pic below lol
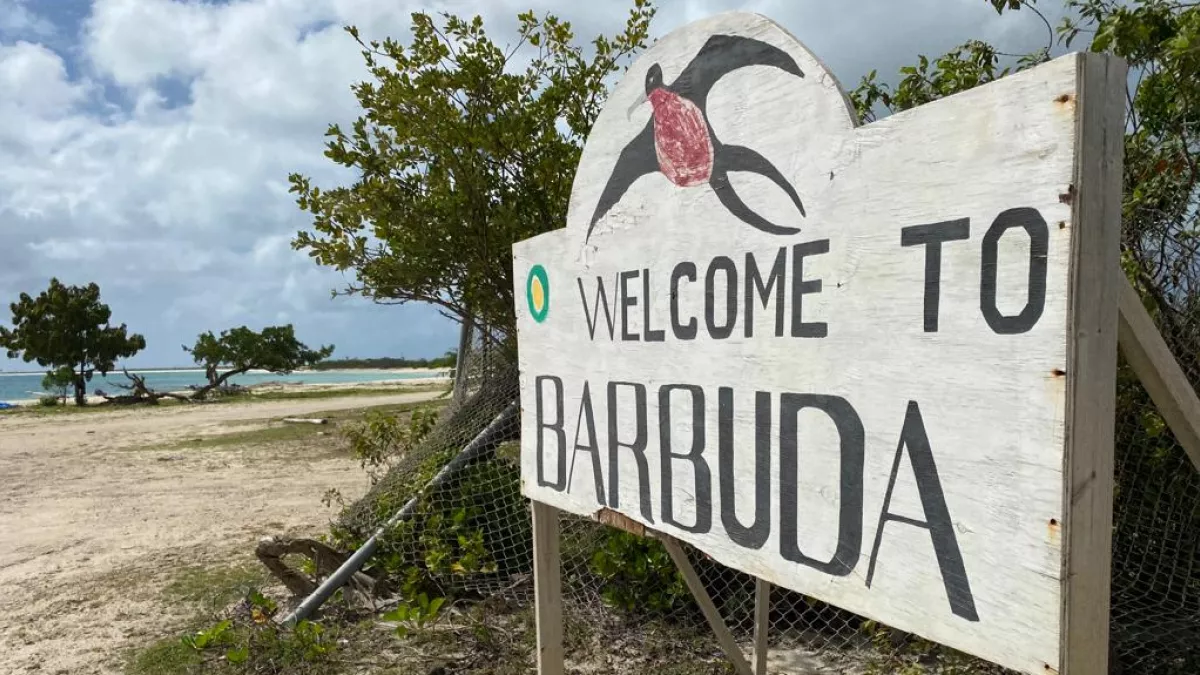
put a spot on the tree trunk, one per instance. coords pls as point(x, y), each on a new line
point(214, 383)
point(80, 390)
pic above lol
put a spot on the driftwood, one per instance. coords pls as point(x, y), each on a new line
point(270, 551)
point(139, 392)
point(304, 420)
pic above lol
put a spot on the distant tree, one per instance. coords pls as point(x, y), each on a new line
point(447, 360)
point(239, 350)
point(67, 327)
point(460, 152)
point(58, 382)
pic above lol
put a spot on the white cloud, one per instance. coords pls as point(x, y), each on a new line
point(149, 152)
point(17, 19)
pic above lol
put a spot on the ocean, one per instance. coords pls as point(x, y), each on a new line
point(24, 386)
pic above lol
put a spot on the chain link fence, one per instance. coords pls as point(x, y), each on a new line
point(626, 608)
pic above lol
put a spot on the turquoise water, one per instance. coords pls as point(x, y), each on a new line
point(20, 386)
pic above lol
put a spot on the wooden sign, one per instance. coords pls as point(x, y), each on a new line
point(873, 365)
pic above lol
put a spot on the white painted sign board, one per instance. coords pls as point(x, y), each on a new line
point(832, 357)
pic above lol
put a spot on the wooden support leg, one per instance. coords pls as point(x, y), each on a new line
point(728, 645)
point(547, 590)
point(762, 615)
point(1152, 361)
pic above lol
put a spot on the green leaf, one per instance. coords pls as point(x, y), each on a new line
point(238, 655)
point(435, 606)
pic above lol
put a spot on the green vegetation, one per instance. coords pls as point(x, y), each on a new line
point(214, 588)
point(382, 437)
point(249, 643)
point(165, 657)
point(449, 360)
point(240, 350)
point(460, 152)
point(58, 382)
point(638, 575)
point(68, 329)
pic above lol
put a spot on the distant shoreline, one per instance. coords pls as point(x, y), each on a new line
point(143, 371)
point(436, 376)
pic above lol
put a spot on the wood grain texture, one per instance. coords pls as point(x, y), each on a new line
point(876, 388)
point(724, 638)
point(547, 589)
point(1092, 364)
point(762, 624)
point(1159, 372)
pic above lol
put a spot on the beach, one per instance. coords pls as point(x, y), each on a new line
point(101, 510)
point(24, 388)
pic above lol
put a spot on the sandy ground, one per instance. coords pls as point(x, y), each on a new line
point(97, 511)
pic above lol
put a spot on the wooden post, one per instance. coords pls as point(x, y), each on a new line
point(762, 616)
point(1091, 366)
point(1159, 372)
point(724, 638)
point(547, 589)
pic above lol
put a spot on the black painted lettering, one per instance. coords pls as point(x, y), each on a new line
point(801, 287)
point(637, 446)
point(593, 315)
point(560, 481)
point(1034, 224)
point(754, 535)
point(850, 516)
point(627, 301)
point(721, 264)
point(587, 416)
point(683, 331)
point(932, 237)
point(774, 284)
point(933, 502)
point(703, 491)
point(648, 333)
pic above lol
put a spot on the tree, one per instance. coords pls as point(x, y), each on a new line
point(68, 327)
point(58, 382)
point(240, 350)
point(460, 153)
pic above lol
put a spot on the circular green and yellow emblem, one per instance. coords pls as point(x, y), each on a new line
point(537, 290)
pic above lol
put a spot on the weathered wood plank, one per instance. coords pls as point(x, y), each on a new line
point(724, 638)
point(1159, 372)
point(1091, 365)
point(835, 358)
point(762, 625)
point(547, 589)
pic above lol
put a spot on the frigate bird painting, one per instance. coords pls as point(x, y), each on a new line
point(679, 142)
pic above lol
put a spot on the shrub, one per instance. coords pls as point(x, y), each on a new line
point(381, 439)
point(637, 573)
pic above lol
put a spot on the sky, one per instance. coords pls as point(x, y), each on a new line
point(146, 144)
